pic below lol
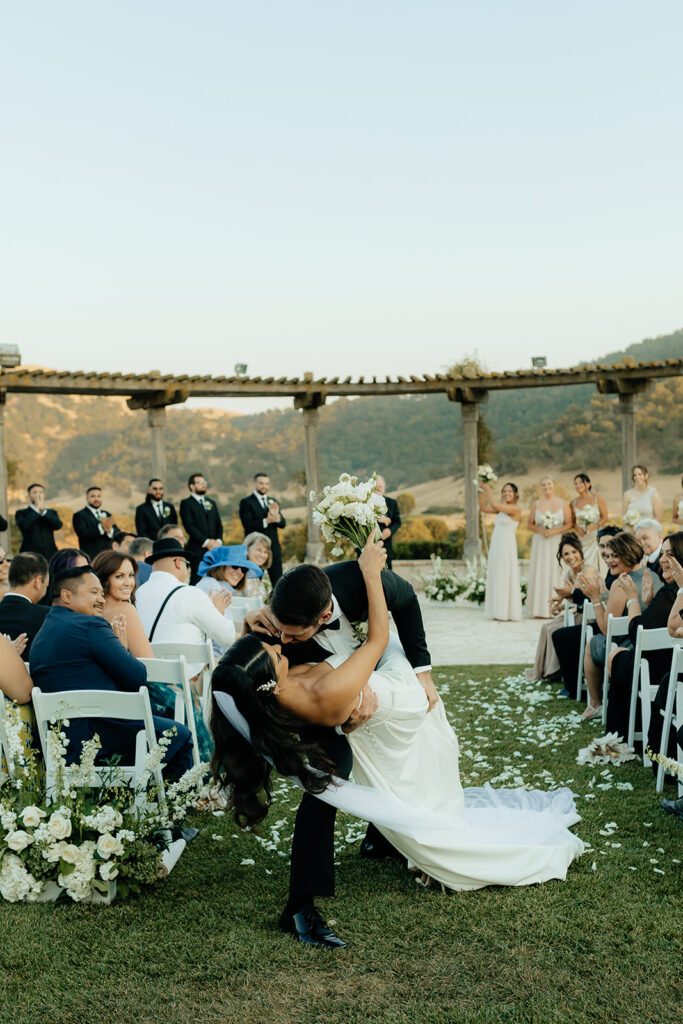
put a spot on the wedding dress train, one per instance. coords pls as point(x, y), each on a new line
point(464, 838)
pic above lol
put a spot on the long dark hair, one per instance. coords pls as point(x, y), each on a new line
point(236, 764)
point(572, 539)
point(106, 563)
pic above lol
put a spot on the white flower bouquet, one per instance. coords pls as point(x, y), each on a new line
point(587, 516)
point(548, 521)
point(485, 474)
point(631, 517)
point(78, 838)
point(608, 749)
point(348, 511)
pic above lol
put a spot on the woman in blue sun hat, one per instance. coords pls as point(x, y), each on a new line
point(226, 568)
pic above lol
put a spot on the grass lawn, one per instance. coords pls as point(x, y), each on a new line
point(604, 946)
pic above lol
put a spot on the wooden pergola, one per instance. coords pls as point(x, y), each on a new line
point(154, 392)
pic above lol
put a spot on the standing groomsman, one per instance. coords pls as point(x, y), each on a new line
point(154, 511)
point(202, 522)
point(391, 521)
point(261, 514)
point(38, 524)
point(93, 525)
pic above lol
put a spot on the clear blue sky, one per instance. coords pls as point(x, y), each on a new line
point(358, 187)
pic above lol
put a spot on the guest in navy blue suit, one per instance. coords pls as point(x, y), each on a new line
point(76, 649)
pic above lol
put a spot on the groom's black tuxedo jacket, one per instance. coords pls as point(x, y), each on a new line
point(148, 523)
point(348, 587)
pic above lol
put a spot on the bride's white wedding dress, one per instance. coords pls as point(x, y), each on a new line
point(467, 838)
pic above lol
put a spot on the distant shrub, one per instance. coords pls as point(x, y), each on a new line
point(422, 549)
point(406, 503)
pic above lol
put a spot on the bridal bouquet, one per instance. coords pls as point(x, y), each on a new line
point(548, 521)
point(587, 516)
point(349, 510)
point(632, 517)
point(485, 475)
point(77, 839)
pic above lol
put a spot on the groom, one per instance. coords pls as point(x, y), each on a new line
point(317, 612)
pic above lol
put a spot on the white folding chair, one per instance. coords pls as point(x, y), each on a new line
point(646, 640)
point(671, 718)
point(117, 704)
point(569, 613)
point(679, 719)
point(617, 627)
point(239, 606)
point(195, 654)
point(173, 672)
point(8, 771)
point(586, 634)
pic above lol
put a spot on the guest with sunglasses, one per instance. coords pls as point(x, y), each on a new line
point(224, 571)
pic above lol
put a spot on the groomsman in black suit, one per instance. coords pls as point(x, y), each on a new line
point(38, 524)
point(391, 521)
point(93, 525)
point(313, 613)
point(154, 511)
point(202, 522)
point(261, 514)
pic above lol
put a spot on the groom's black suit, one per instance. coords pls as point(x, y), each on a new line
point(312, 869)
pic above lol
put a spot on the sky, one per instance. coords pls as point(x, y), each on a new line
point(366, 187)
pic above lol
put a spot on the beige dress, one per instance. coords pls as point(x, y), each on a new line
point(544, 570)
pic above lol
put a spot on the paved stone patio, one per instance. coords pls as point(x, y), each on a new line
point(460, 635)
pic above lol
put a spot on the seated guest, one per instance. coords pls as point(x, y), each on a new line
point(154, 511)
point(173, 612)
point(225, 570)
point(15, 682)
point(21, 611)
point(76, 649)
point(116, 573)
point(624, 556)
point(260, 552)
point(121, 542)
point(569, 555)
point(66, 558)
point(677, 509)
point(675, 629)
point(38, 524)
point(654, 616)
point(94, 527)
point(650, 535)
point(4, 572)
point(139, 548)
point(173, 531)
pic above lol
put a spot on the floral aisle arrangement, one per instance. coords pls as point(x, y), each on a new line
point(74, 841)
point(474, 581)
point(671, 767)
point(607, 749)
point(441, 584)
point(348, 511)
point(588, 516)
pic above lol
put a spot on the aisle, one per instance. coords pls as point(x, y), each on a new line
point(461, 635)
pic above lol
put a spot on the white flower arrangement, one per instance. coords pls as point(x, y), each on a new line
point(608, 749)
point(670, 766)
point(587, 516)
point(349, 510)
point(442, 584)
point(631, 516)
point(474, 582)
point(81, 836)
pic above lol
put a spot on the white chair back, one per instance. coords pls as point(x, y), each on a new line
point(569, 613)
point(587, 617)
point(641, 684)
point(126, 706)
point(196, 654)
point(672, 717)
point(617, 627)
point(4, 747)
point(173, 672)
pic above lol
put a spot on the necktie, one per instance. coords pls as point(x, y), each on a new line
point(158, 511)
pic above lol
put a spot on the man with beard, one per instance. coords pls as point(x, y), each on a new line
point(154, 511)
point(202, 522)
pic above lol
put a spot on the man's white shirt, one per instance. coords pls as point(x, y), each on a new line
point(342, 641)
point(98, 514)
point(263, 502)
point(189, 616)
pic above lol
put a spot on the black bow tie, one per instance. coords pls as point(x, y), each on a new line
point(330, 625)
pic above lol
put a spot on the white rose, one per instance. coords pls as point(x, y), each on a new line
point(31, 816)
point(59, 827)
point(68, 852)
point(106, 845)
point(108, 871)
point(335, 510)
point(18, 840)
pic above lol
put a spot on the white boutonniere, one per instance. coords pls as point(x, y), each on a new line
point(167, 510)
point(360, 631)
point(209, 505)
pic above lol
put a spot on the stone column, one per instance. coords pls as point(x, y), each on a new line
point(5, 538)
point(627, 408)
point(156, 418)
point(470, 420)
point(309, 404)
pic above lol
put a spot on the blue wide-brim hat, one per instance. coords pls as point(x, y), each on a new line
point(228, 554)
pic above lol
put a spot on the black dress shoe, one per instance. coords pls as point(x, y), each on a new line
point(376, 847)
point(188, 834)
point(674, 807)
point(307, 926)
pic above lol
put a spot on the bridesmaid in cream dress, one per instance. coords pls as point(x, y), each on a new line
point(678, 509)
point(503, 591)
point(589, 514)
point(641, 499)
point(549, 517)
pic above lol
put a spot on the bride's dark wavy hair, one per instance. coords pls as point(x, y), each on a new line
point(236, 764)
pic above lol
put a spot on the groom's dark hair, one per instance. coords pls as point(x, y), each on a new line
point(301, 596)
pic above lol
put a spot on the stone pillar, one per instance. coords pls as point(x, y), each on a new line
point(5, 538)
point(309, 403)
point(627, 408)
point(470, 419)
point(156, 418)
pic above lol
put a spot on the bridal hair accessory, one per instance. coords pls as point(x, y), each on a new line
point(348, 511)
point(267, 687)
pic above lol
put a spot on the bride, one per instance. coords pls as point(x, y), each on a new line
point(406, 774)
